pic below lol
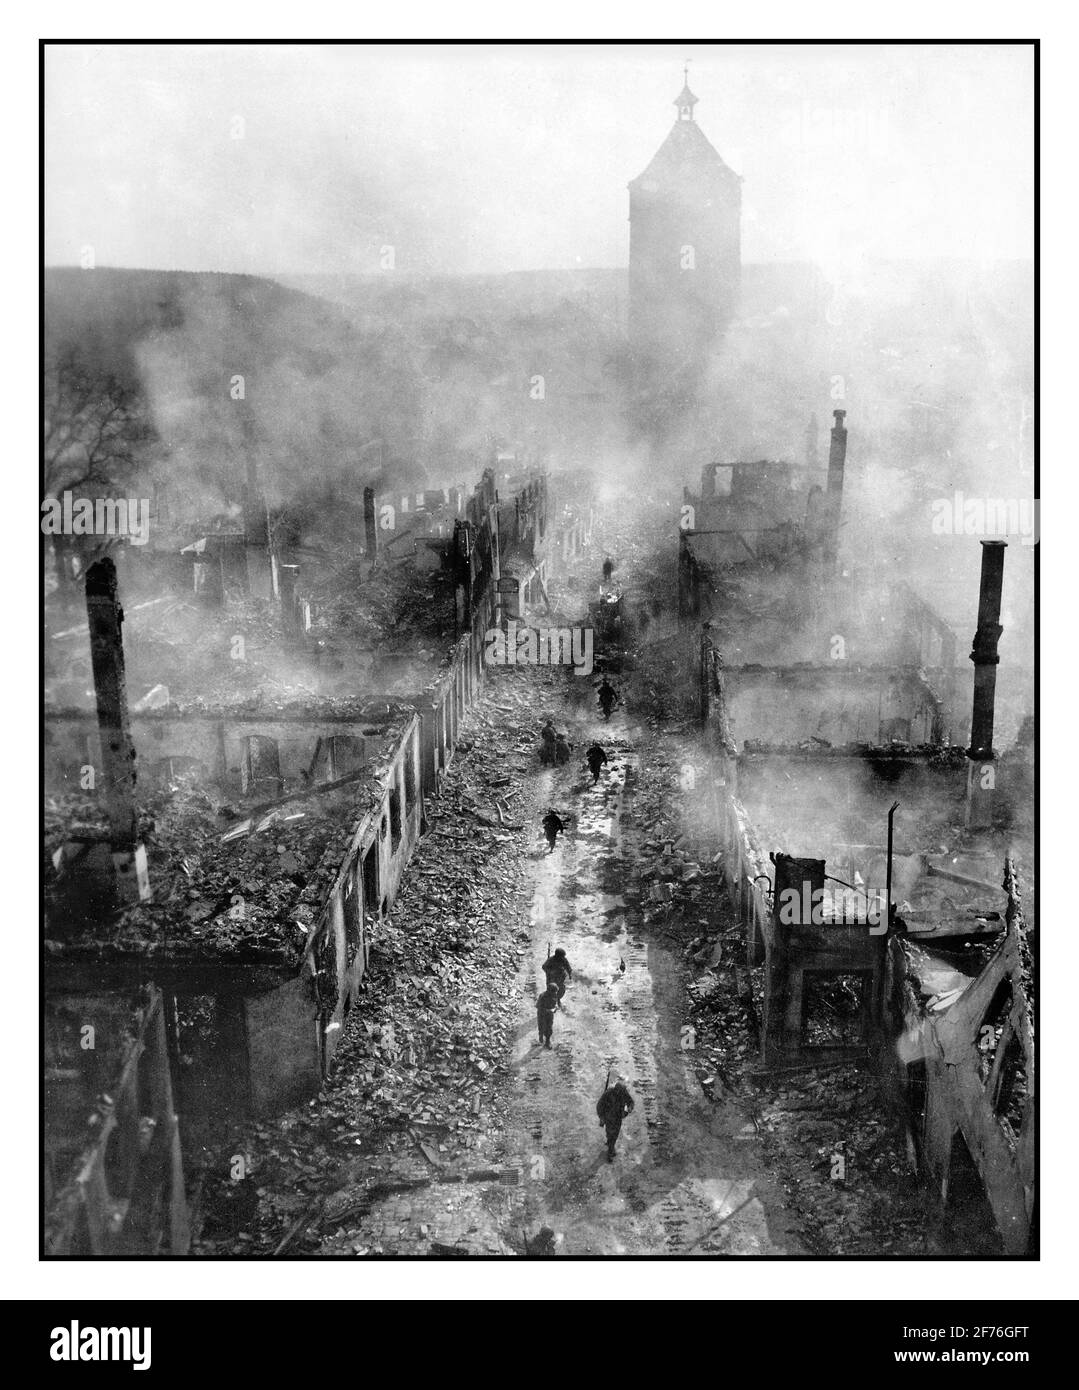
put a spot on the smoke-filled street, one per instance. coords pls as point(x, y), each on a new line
point(688, 1177)
point(487, 1142)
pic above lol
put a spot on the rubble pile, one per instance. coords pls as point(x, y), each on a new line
point(185, 655)
point(253, 896)
point(69, 815)
point(680, 891)
point(677, 878)
point(387, 607)
point(842, 1161)
point(195, 655)
point(851, 1185)
point(418, 1076)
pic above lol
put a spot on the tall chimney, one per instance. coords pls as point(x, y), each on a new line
point(981, 774)
point(370, 524)
point(837, 458)
point(105, 618)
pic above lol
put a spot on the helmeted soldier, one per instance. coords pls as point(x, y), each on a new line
point(558, 971)
point(546, 1008)
point(595, 757)
point(552, 824)
point(612, 1108)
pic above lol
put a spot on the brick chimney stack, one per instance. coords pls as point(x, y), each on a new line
point(837, 458)
point(370, 524)
point(981, 773)
point(105, 618)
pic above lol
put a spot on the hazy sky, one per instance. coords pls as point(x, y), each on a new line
point(515, 158)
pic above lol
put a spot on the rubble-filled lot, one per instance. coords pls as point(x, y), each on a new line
point(416, 1099)
point(392, 605)
point(247, 896)
point(380, 630)
point(826, 1134)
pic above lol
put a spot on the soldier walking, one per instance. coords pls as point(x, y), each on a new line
point(552, 824)
point(557, 969)
point(608, 696)
point(612, 1108)
point(546, 1007)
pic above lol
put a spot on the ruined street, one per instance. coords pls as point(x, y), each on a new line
point(688, 1177)
point(446, 1128)
point(441, 1125)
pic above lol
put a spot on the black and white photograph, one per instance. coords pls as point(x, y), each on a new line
point(538, 547)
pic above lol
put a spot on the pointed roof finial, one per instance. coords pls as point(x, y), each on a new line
point(685, 101)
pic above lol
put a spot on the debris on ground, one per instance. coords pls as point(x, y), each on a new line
point(416, 1093)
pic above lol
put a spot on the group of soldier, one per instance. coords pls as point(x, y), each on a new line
point(616, 1102)
point(554, 750)
point(550, 744)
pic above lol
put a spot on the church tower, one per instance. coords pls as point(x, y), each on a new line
point(685, 215)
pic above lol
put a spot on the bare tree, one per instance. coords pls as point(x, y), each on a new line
point(95, 434)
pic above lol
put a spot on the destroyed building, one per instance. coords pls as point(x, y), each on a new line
point(754, 513)
point(872, 851)
point(217, 874)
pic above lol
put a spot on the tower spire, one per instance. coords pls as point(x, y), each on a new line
point(685, 101)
